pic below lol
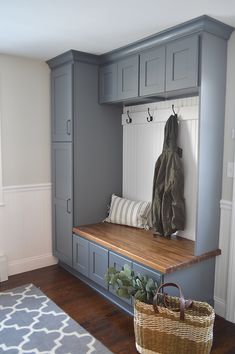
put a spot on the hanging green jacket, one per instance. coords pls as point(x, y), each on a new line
point(168, 206)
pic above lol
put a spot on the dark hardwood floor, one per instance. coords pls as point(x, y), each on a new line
point(109, 324)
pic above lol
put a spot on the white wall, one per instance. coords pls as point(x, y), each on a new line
point(25, 112)
point(25, 222)
point(222, 262)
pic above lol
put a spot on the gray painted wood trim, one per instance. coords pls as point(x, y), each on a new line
point(72, 56)
point(196, 25)
point(211, 141)
point(197, 281)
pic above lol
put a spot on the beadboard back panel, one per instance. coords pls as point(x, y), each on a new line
point(142, 145)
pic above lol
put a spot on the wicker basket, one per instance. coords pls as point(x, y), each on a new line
point(175, 327)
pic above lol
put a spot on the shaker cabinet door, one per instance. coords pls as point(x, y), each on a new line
point(108, 83)
point(128, 77)
point(98, 264)
point(61, 91)
point(81, 255)
point(182, 63)
point(62, 207)
point(152, 71)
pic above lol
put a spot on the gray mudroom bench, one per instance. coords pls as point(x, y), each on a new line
point(87, 97)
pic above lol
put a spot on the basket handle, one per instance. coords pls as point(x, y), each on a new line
point(183, 304)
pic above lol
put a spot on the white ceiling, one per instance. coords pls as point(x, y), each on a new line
point(45, 28)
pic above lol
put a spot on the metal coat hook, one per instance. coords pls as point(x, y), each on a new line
point(149, 118)
point(129, 120)
point(173, 109)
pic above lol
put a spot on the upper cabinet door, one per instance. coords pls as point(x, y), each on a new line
point(152, 71)
point(108, 83)
point(182, 64)
point(61, 88)
point(128, 77)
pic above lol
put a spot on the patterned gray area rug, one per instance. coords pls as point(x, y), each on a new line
point(31, 323)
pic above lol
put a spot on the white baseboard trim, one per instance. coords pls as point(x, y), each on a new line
point(30, 263)
point(220, 307)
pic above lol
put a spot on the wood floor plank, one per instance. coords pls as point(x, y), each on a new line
point(109, 324)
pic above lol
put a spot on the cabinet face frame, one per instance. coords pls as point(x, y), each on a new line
point(152, 71)
point(182, 58)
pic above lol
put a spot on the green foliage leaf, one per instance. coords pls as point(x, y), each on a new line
point(127, 284)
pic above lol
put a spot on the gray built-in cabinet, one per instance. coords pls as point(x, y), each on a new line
point(86, 151)
point(87, 94)
point(153, 72)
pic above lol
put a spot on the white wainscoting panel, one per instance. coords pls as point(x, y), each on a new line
point(221, 269)
point(25, 227)
point(142, 145)
point(230, 305)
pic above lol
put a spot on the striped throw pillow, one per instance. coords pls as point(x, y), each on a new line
point(128, 212)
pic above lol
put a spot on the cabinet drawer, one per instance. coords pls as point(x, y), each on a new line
point(98, 264)
point(128, 77)
point(81, 255)
point(152, 71)
point(182, 63)
point(139, 269)
point(118, 263)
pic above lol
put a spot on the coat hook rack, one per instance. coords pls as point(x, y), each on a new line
point(129, 119)
point(149, 118)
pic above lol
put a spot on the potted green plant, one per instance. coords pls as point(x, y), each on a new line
point(126, 284)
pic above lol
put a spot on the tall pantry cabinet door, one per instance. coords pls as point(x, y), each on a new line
point(62, 201)
point(61, 91)
point(182, 63)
